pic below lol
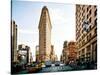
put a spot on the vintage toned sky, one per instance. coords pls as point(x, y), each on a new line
point(27, 15)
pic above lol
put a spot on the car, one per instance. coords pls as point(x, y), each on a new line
point(34, 69)
point(32, 65)
point(57, 63)
point(61, 64)
point(52, 65)
point(43, 65)
point(48, 63)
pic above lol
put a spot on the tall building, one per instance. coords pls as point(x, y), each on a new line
point(21, 47)
point(86, 32)
point(31, 57)
point(37, 53)
point(72, 53)
point(64, 55)
point(13, 41)
point(44, 35)
point(24, 54)
point(56, 58)
point(69, 52)
point(53, 57)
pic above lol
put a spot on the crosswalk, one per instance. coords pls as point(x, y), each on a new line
point(56, 68)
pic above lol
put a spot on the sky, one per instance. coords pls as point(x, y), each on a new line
point(27, 15)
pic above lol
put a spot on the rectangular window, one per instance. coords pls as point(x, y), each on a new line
point(90, 20)
point(89, 35)
point(89, 6)
point(95, 21)
point(90, 12)
point(90, 27)
point(88, 49)
point(95, 31)
point(87, 38)
point(87, 16)
point(79, 52)
point(95, 13)
point(83, 50)
point(87, 9)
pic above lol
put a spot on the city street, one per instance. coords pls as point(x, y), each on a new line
point(56, 69)
point(49, 69)
point(75, 50)
point(52, 69)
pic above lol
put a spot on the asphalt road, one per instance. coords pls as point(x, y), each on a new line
point(56, 69)
point(50, 69)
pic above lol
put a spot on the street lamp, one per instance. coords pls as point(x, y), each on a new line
point(85, 26)
point(86, 29)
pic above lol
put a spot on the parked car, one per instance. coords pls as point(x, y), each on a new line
point(48, 63)
point(43, 65)
point(34, 69)
point(53, 65)
point(61, 64)
point(57, 63)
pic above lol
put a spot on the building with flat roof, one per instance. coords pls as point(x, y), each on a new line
point(69, 52)
point(86, 32)
point(14, 30)
point(24, 54)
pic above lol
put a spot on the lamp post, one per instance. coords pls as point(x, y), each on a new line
point(86, 29)
point(85, 26)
